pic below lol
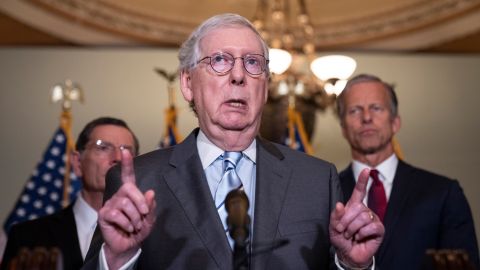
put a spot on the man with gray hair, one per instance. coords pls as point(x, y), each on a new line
point(420, 210)
point(167, 209)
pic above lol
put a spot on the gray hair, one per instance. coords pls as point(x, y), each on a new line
point(189, 53)
point(367, 78)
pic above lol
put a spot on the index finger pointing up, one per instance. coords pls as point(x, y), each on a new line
point(360, 189)
point(128, 175)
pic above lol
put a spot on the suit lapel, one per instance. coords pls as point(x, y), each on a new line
point(402, 183)
point(68, 238)
point(272, 180)
point(189, 184)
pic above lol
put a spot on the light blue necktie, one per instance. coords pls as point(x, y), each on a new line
point(229, 181)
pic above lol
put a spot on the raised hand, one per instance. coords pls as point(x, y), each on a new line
point(127, 217)
point(355, 231)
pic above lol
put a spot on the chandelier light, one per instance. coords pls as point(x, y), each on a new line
point(286, 26)
point(280, 60)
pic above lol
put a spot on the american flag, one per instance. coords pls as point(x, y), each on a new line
point(171, 136)
point(43, 192)
point(295, 135)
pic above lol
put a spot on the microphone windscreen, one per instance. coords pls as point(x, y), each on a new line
point(238, 221)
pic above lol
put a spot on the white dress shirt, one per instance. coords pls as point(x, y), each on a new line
point(246, 168)
point(386, 173)
point(86, 222)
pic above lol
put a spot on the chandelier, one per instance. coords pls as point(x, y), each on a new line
point(300, 79)
point(288, 30)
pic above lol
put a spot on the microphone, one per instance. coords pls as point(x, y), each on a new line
point(238, 222)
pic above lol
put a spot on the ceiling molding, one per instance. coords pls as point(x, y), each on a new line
point(408, 25)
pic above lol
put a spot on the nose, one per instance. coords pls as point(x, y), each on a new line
point(366, 116)
point(117, 156)
point(237, 75)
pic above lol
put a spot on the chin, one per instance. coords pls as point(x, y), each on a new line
point(235, 124)
point(369, 149)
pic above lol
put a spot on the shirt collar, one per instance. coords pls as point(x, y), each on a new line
point(209, 152)
point(386, 168)
point(85, 215)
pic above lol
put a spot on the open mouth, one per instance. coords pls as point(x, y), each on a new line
point(236, 103)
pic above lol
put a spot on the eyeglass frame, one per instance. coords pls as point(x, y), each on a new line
point(265, 67)
point(110, 148)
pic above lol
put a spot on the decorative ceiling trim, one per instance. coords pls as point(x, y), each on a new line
point(428, 36)
point(104, 15)
point(396, 22)
point(58, 26)
point(105, 22)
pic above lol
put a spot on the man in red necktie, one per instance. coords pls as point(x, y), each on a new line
point(420, 210)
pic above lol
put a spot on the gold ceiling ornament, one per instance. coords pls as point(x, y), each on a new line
point(296, 69)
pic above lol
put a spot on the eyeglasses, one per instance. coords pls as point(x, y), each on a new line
point(222, 63)
point(106, 148)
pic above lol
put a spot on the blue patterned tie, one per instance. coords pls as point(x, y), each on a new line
point(230, 180)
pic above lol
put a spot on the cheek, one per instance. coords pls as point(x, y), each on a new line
point(94, 168)
point(351, 124)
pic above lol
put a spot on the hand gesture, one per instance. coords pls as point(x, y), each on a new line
point(127, 217)
point(355, 231)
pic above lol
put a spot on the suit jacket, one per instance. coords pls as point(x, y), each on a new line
point(294, 196)
point(425, 211)
point(56, 230)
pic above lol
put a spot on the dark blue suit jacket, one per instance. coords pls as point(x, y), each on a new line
point(56, 230)
point(294, 196)
point(425, 211)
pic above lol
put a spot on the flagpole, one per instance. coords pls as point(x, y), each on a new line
point(66, 93)
point(171, 111)
point(295, 124)
point(66, 125)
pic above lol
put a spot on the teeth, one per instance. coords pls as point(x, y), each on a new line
point(236, 104)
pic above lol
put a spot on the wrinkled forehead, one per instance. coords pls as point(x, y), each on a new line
point(231, 39)
point(366, 93)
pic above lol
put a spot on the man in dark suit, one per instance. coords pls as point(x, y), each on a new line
point(420, 210)
point(70, 230)
point(161, 210)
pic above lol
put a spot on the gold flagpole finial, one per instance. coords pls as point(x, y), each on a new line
point(66, 93)
point(170, 77)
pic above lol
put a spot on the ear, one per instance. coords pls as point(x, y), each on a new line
point(186, 85)
point(75, 162)
point(396, 124)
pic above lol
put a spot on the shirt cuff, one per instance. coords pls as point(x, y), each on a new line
point(102, 261)
point(341, 266)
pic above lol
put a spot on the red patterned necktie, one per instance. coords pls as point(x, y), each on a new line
point(377, 199)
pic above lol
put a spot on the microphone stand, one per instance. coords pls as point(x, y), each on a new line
point(238, 222)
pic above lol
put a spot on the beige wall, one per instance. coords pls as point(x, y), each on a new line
point(439, 103)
